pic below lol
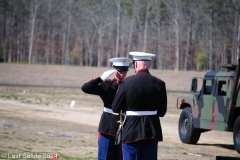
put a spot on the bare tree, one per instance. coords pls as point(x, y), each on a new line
point(134, 10)
point(191, 16)
point(175, 7)
point(146, 27)
point(238, 38)
point(100, 22)
point(10, 39)
point(33, 14)
point(156, 9)
point(68, 31)
point(4, 34)
point(49, 18)
point(118, 3)
point(237, 33)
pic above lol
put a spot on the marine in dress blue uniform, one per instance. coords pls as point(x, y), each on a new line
point(143, 98)
point(106, 89)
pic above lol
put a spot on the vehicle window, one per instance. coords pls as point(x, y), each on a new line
point(222, 88)
point(207, 87)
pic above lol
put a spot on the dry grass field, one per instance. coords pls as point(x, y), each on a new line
point(37, 122)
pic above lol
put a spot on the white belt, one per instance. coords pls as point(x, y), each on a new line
point(141, 113)
point(105, 109)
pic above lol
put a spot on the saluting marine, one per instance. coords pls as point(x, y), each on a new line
point(106, 89)
point(143, 98)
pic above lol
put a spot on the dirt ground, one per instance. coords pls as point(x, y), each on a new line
point(36, 123)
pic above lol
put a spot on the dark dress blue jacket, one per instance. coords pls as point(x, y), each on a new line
point(106, 90)
point(141, 92)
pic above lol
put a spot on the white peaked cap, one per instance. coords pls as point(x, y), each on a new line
point(121, 61)
point(139, 56)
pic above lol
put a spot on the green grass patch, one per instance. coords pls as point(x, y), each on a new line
point(42, 142)
point(61, 146)
point(68, 157)
point(6, 137)
point(11, 147)
point(30, 140)
point(28, 148)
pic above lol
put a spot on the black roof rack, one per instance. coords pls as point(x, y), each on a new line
point(231, 67)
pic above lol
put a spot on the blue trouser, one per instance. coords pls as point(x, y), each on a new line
point(140, 150)
point(106, 148)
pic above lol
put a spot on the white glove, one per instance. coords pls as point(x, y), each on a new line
point(106, 74)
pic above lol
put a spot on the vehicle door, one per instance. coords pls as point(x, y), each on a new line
point(222, 100)
point(206, 101)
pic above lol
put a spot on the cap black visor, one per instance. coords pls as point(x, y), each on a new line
point(121, 68)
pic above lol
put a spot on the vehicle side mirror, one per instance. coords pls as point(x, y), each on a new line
point(193, 87)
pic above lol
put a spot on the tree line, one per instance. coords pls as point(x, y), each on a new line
point(184, 34)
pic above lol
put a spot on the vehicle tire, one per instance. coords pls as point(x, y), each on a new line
point(187, 133)
point(236, 135)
